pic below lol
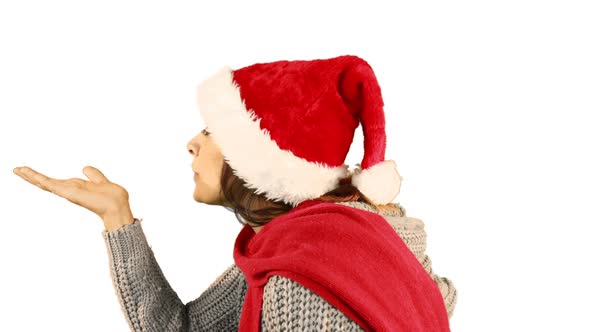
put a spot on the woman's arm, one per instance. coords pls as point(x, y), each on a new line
point(149, 302)
point(446, 286)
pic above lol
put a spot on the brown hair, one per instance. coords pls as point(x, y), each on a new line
point(259, 210)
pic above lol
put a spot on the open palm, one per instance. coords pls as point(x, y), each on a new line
point(98, 195)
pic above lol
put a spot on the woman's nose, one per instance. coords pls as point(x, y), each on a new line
point(192, 149)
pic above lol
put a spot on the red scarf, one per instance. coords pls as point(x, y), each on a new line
point(352, 258)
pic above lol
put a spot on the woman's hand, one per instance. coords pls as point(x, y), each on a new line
point(99, 195)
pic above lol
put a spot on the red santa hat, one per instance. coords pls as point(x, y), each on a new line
point(286, 127)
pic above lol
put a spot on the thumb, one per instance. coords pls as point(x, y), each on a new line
point(94, 175)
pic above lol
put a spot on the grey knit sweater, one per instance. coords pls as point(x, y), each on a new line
point(150, 304)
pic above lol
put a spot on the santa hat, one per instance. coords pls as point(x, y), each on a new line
point(286, 127)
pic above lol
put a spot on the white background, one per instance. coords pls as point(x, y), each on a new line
point(487, 118)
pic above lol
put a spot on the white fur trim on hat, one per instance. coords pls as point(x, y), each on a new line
point(381, 183)
point(251, 152)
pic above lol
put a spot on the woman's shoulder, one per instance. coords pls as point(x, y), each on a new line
point(394, 214)
point(391, 210)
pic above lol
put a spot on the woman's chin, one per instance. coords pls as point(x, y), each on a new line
point(197, 197)
point(200, 199)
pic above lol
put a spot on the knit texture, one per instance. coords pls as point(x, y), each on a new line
point(149, 303)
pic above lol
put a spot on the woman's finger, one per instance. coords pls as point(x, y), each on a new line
point(69, 189)
point(78, 181)
point(27, 174)
point(94, 175)
point(44, 182)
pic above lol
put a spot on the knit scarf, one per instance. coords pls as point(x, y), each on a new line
point(351, 258)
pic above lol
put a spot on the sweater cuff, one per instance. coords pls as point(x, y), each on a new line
point(127, 242)
point(129, 227)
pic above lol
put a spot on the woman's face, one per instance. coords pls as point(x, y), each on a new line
point(207, 165)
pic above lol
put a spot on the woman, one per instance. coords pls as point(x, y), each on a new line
point(321, 248)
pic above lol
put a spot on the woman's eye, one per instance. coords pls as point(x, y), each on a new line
point(205, 132)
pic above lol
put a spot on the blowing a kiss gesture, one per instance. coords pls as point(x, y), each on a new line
point(106, 199)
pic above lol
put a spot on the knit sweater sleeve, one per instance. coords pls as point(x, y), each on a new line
point(148, 301)
point(290, 306)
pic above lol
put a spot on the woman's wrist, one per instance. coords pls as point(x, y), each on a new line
point(117, 219)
